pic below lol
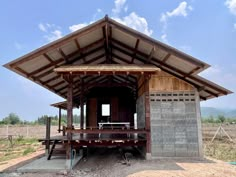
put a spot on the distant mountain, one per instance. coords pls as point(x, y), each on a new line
point(210, 111)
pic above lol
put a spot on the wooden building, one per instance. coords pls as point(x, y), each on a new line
point(107, 64)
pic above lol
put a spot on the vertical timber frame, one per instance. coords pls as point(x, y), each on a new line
point(69, 115)
point(82, 104)
point(59, 121)
point(147, 117)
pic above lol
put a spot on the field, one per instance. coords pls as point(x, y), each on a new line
point(25, 141)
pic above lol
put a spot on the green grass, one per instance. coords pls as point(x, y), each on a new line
point(28, 150)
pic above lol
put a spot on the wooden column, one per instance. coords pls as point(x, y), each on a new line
point(59, 121)
point(69, 115)
point(82, 105)
point(147, 114)
point(48, 126)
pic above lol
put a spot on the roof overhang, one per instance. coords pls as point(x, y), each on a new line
point(107, 41)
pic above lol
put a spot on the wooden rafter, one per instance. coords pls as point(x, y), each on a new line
point(166, 57)
point(151, 54)
point(79, 49)
point(48, 57)
point(135, 50)
point(160, 45)
point(165, 65)
point(57, 44)
point(191, 72)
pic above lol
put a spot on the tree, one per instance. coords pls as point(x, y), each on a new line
point(12, 118)
point(221, 118)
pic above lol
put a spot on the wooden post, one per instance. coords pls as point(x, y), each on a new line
point(82, 105)
point(48, 126)
point(59, 121)
point(147, 116)
point(69, 115)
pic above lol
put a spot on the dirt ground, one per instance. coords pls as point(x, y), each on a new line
point(110, 163)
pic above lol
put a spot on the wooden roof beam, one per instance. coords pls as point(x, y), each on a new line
point(48, 58)
point(191, 72)
point(153, 42)
point(166, 57)
point(151, 54)
point(64, 56)
point(79, 49)
point(135, 50)
point(166, 65)
point(57, 44)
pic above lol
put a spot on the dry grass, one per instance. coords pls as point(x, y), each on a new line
point(19, 147)
point(220, 149)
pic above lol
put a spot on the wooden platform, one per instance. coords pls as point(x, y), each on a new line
point(100, 140)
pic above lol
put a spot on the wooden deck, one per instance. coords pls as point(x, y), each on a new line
point(100, 140)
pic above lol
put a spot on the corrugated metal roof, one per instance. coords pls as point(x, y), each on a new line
point(107, 41)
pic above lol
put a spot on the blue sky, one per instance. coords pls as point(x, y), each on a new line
point(205, 29)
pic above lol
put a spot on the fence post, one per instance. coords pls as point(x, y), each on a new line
point(48, 126)
point(27, 131)
point(7, 131)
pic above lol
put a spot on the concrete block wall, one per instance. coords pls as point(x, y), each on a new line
point(141, 111)
point(174, 125)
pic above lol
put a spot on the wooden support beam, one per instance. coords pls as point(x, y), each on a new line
point(57, 44)
point(59, 121)
point(161, 64)
point(48, 127)
point(153, 42)
point(147, 115)
point(191, 72)
point(135, 50)
point(166, 57)
point(52, 79)
point(151, 54)
point(79, 49)
point(64, 56)
point(82, 104)
point(48, 58)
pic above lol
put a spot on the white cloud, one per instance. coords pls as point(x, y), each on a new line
point(77, 27)
point(182, 10)
point(52, 32)
point(119, 5)
point(235, 26)
point(133, 20)
point(231, 4)
point(42, 27)
point(164, 38)
point(54, 35)
point(136, 22)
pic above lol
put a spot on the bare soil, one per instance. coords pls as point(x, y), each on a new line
point(105, 162)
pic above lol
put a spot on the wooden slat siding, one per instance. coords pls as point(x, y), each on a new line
point(182, 78)
point(166, 82)
point(160, 45)
point(135, 50)
point(160, 64)
point(56, 44)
